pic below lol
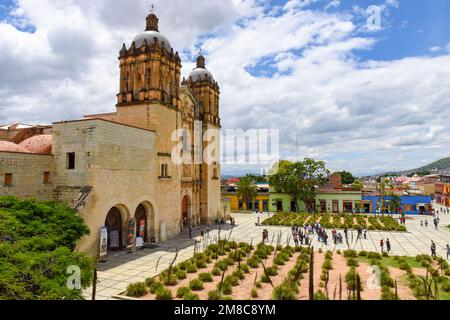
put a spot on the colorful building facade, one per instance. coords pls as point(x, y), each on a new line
point(260, 203)
point(409, 204)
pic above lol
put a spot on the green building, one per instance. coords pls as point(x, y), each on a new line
point(331, 198)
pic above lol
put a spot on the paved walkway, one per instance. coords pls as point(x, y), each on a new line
point(124, 268)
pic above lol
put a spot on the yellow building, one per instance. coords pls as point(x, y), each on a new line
point(260, 203)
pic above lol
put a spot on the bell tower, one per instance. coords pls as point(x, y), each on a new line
point(149, 69)
point(207, 91)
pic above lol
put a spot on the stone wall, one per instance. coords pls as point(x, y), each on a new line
point(27, 175)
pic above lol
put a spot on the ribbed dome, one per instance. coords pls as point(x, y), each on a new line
point(7, 146)
point(149, 36)
point(40, 144)
point(200, 73)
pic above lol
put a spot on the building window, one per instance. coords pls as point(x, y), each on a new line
point(46, 177)
point(215, 174)
point(323, 206)
point(164, 171)
point(8, 179)
point(71, 160)
point(335, 206)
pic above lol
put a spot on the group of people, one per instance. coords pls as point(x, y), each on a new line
point(435, 222)
point(388, 245)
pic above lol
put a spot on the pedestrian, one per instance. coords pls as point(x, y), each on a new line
point(365, 234)
point(448, 251)
point(382, 245)
point(421, 223)
point(433, 249)
point(388, 245)
point(306, 239)
point(190, 231)
point(426, 223)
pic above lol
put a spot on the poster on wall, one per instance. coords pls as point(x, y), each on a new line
point(103, 241)
point(131, 232)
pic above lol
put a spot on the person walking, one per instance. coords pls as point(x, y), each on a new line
point(447, 249)
point(433, 249)
point(388, 245)
point(365, 234)
point(190, 231)
point(382, 245)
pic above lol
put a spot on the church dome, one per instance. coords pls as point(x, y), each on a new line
point(151, 32)
point(149, 36)
point(6, 146)
point(40, 144)
point(200, 73)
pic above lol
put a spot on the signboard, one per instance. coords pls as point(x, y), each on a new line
point(131, 233)
point(103, 242)
point(139, 242)
point(114, 239)
point(141, 229)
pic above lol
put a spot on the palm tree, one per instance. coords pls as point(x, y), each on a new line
point(246, 190)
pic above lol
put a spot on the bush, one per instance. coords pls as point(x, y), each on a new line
point(352, 263)
point(163, 294)
point(231, 279)
point(200, 264)
point(254, 293)
point(191, 296)
point(196, 285)
point(155, 286)
point(191, 268)
point(285, 291)
point(222, 265)
point(205, 277)
point(244, 268)
point(374, 255)
point(253, 263)
point(387, 293)
point(149, 281)
point(272, 271)
point(181, 274)
point(225, 288)
point(214, 295)
point(136, 290)
point(216, 272)
point(258, 284)
point(327, 265)
point(445, 286)
point(319, 295)
point(350, 254)
point(182, 291)
point(172, 281)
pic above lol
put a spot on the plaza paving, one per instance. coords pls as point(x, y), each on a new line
point(121, 269)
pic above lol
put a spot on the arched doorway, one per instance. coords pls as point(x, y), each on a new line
point(186, 211)
point(141, 222)
point(114, 225)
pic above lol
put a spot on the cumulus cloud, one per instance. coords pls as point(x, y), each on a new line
point(288, 67)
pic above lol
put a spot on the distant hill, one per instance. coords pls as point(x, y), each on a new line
point(442, 164)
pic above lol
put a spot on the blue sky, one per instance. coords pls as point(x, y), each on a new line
point(364, 101)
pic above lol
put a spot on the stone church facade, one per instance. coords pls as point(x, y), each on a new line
point(118, 166)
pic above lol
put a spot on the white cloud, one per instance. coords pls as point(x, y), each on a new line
point(305, 76)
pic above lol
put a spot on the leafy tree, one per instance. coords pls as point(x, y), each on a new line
point(357, 185)
point(347, 177)
point(257, 178)
point(37, 240)
point(299, 180)
point(246, 190)
point(395, 203)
